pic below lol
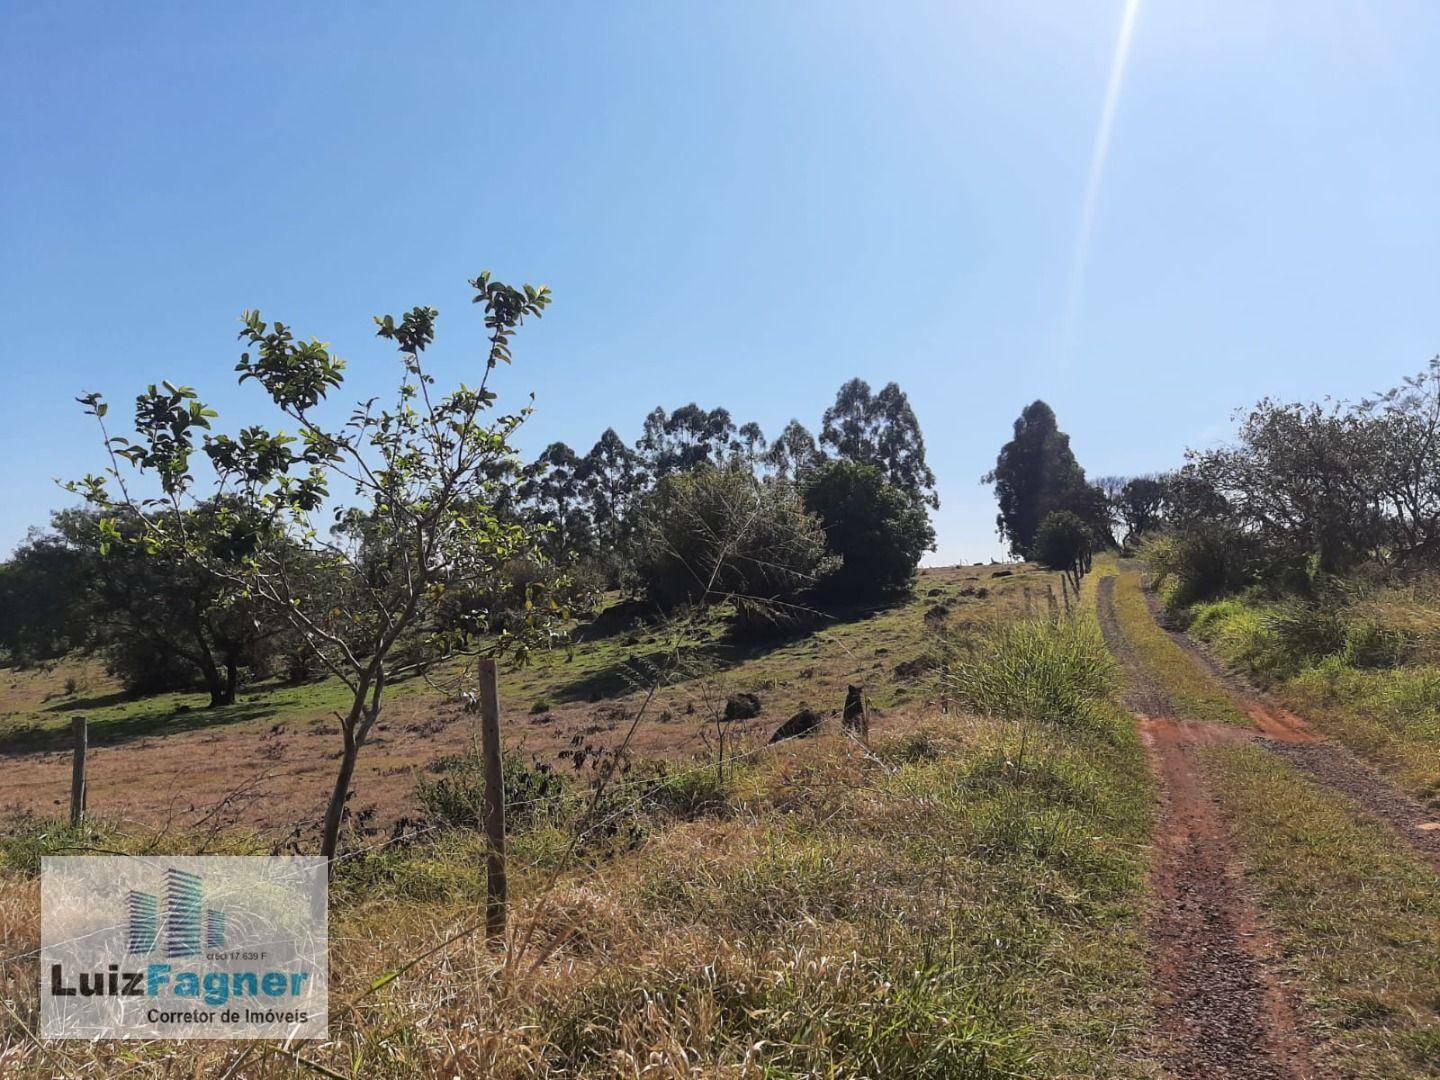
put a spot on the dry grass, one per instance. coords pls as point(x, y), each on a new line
point(147, 750)
point(941, 907)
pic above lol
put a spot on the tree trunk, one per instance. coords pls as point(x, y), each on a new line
point(336, 809)
point(232, 677)
point(219, 695)
point(213, 683)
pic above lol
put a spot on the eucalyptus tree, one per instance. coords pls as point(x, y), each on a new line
point(421, 472)
point(685, 439)
point(553, 491)
point(793, 452)
point(748, 446)
point(612, 478)
point(881, 430)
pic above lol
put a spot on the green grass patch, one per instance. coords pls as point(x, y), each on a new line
point(1389, 716)
point(1191, 689)
point(894, 648)
point(1358, 914)
point(1347, 678)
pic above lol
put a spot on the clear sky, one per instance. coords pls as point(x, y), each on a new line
point(737, 204)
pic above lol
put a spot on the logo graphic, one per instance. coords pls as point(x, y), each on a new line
point(204, 947)
point(183, 918)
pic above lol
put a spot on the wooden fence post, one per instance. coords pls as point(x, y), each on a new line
point(496, 889)
point(856, 717)
point(77, 770)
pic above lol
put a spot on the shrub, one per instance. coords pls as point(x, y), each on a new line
point(534, 792)
point(1052, 670)
point(1371, 644)
point(719, 534)
point(1407, 611)
point(1204, 563)
point(878, 531)
point(1252, 639)
point(1281, 640)
point(501, 602)
point(145, 667)
point(1306, 630)
point(690, 793)
point(1064, 542)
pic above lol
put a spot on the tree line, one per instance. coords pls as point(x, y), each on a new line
point(698, 510)
point(591, 506)
point(1309, 491)
point(1050, 512)
point(1304, 491)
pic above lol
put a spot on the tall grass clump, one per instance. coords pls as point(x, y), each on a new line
point(1276, 641)
point(1052, 670)
point(1245, 636)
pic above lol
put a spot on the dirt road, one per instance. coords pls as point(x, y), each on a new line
point(1220, 1010)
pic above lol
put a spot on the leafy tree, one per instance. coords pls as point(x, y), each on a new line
point(1091, 505)
point(1035, 475)
point(1066, 543)
point(1402, 441)
point(878, 531)
point(881, 430)
point(1307, 489)
point(714, 535)
point(793, 452)
point(1140, 505)
point(419, 472)
point(1191, 500)
point(1303, 478)
point(166, 621)
point(163, 624)
point(43, 600)
point(1340, 483)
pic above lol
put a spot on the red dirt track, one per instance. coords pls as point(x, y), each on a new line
point(1219, 1011)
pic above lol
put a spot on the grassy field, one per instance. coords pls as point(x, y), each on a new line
point(962, 901)
point(1358, 915)
point(607, 658)
point(277, 741)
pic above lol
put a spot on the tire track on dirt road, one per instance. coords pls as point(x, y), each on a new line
point(1292, 738)
point(1220, 1012)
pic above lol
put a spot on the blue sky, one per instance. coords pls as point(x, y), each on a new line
point(737, 204)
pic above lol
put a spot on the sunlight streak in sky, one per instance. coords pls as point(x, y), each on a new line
point(1098, 155)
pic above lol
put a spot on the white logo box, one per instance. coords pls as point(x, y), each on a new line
point(193, 947)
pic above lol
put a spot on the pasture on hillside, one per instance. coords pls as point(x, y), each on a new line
point(167, 761)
